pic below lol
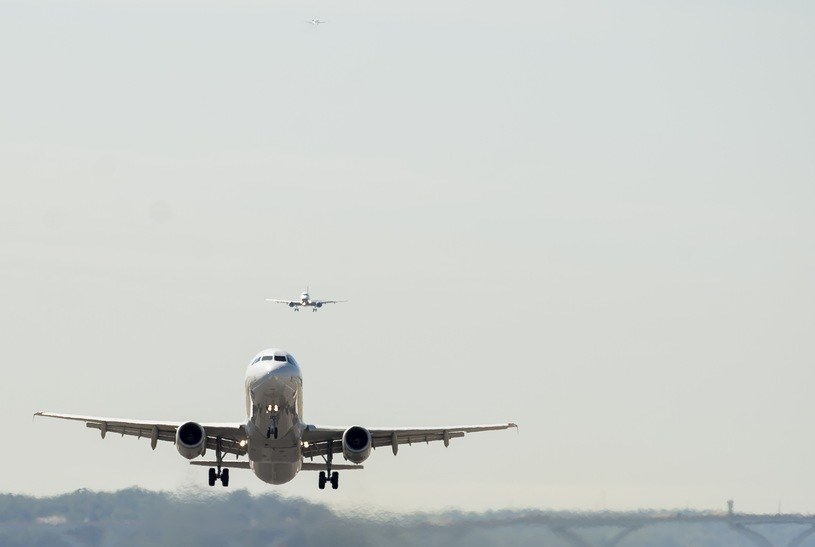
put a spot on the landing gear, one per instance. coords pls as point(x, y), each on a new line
point(327, 475)
point(272, 431)
point(334, 480)
point(216, 475)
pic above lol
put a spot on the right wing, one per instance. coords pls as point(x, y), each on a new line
point(231, 435)
point(320, 437)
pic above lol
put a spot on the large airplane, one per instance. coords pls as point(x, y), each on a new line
point(306, 301)
point(275, 439)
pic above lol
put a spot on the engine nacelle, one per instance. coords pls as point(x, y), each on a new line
point(318, 305)
point(191, 440)
point(292, 304)
point(356, 444)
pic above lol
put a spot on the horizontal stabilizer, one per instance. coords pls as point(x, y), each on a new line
point(334, 467)
point(237, 465)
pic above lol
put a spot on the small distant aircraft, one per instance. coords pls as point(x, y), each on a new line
point(316, 22)
point(305, 300)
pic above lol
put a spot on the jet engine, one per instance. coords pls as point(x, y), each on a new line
point(291, 304)
point(356, 444)
point(191, 440)
point(318, 305)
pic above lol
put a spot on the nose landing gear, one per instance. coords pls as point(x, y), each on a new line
point(272, 431)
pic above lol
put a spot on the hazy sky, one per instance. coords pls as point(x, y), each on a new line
point(594, 219)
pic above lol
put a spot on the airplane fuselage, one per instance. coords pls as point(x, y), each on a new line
point(274, 409)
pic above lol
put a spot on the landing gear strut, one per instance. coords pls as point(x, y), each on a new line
point(216, 475)
point(272, 431)
point(327, 475)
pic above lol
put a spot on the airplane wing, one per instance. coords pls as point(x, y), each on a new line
point(331, 301)
point(287, 302)
point(231, 435)
point(319, 438)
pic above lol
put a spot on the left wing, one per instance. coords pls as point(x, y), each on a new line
point(329, 301)
point(319, 438)
point(231, 435)
point(287, 302)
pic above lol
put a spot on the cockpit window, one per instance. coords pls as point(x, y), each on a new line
point(282, 358)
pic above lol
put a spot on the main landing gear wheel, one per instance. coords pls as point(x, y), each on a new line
point(214, 477)
point(335, 480)
point(272, 432)
point(321, 481)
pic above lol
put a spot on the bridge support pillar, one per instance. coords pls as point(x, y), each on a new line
point(570, 536)
point(799, 539)
point(752, 535)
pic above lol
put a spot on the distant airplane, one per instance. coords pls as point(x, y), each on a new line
point(274, 437)
point(316, 22)
point(305, 301)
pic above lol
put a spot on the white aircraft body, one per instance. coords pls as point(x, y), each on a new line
point(274, 439)
point(316, 22)
point(305, 301)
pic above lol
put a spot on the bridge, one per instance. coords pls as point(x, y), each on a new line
point(570, 526)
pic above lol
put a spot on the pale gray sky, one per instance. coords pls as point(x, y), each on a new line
point(592, 218)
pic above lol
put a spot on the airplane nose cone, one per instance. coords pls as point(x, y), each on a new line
point(282, 368)
point(275, 370)
point(275, 379)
